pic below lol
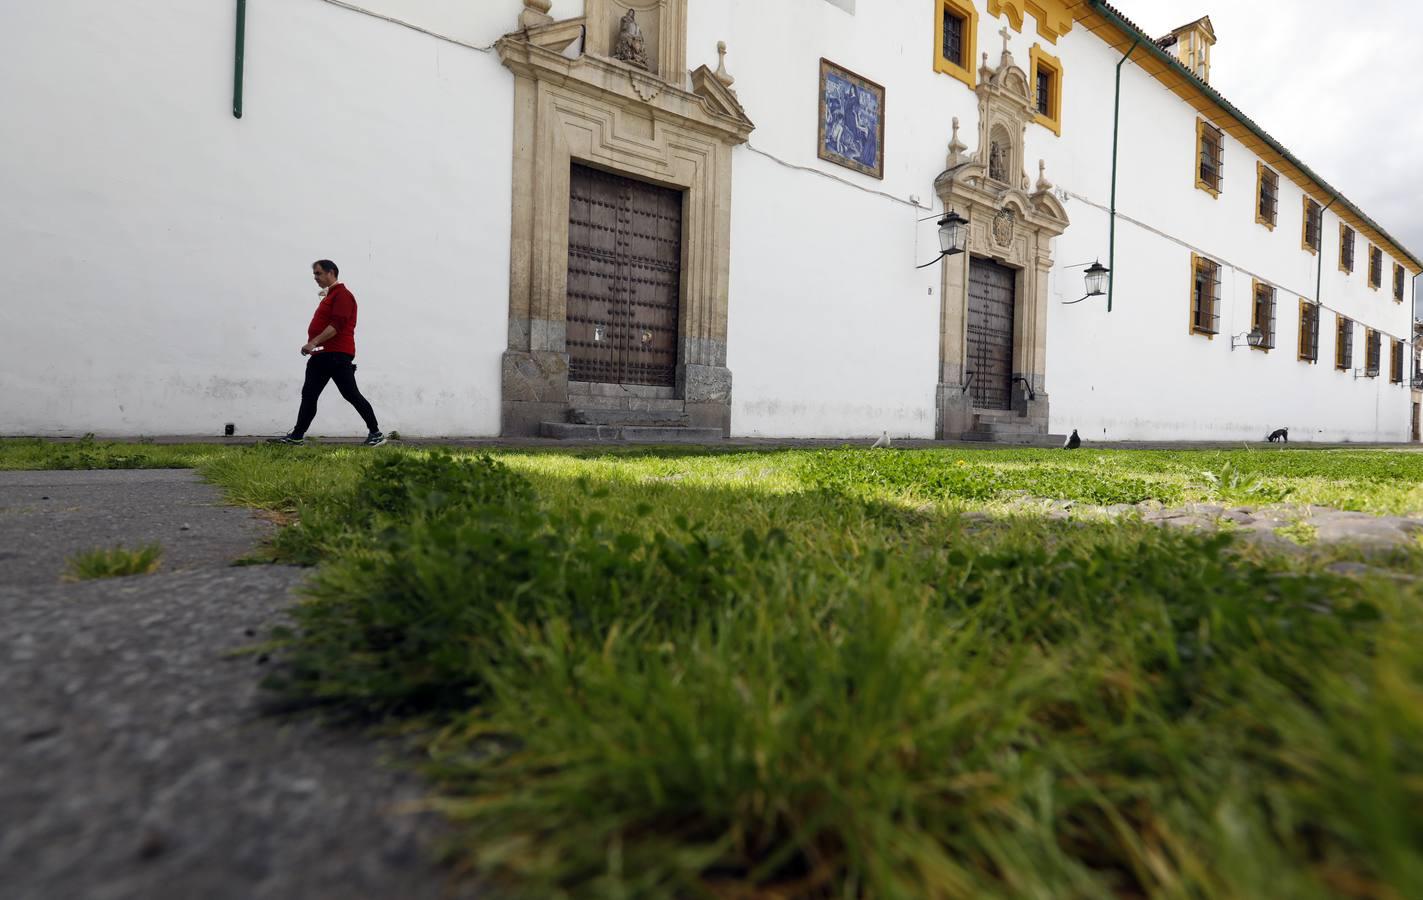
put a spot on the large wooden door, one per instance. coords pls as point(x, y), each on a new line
point(624, 280)
point(991, 302)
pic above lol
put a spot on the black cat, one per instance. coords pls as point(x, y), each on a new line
point(1282, 435)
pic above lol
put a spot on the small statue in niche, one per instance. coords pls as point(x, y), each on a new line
point(998, 162)
point(632, 46)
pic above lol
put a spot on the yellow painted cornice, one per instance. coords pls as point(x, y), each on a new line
point(1054, 17)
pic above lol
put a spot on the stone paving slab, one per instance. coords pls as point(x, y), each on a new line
point(136, 760)
point(47, 517)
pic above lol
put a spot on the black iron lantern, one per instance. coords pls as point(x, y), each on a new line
point(1097, 279)
point(953, 234)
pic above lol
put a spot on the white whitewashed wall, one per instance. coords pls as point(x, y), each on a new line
point(154, 251)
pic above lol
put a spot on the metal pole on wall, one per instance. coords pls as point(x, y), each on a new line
point(241, 53)
point(1116, 134)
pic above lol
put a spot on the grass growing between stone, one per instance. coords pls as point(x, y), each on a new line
point(808, 674)
point(114, 562)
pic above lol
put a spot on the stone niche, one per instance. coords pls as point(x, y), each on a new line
point(1012, 221)
point(664, 29)
point(662, 125)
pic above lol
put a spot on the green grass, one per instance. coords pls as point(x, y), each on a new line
point(115, 562)
point(809, 674)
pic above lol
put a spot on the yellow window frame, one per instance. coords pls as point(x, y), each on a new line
point(1042, 59)
point(1271, 337)
point(1347, 234)
point(1307, 339)
point(1304, 227)
point(965, 10)
point(1260, 170)
point(1213, 190)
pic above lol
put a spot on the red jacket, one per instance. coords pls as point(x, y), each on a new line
point(337, 309)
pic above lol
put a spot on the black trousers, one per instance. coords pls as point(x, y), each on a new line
point(337, 367)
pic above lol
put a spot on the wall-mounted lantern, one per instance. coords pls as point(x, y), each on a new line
point(1096, 282)
point(1252, 338)
point(953, 237)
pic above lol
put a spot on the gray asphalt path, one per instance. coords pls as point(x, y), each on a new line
point(135, 758)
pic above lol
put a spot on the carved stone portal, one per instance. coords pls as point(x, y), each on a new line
point(1009, 226)
point(663, 125)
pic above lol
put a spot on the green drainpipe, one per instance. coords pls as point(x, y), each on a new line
point(1319, 275)
point(1116, 133)
point(241, 54)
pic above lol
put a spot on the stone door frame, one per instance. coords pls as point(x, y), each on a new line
point(1010, 223)
point(608, 114)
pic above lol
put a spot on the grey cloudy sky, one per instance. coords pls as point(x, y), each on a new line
point(1338, 84)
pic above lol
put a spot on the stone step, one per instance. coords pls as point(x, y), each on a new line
point(639, 434)
point(1020, 427)
point(644, 417)
point(999, 415)
point(1020, 440)
point(646, 404)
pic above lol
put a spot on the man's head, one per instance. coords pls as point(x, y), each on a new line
point(325, 272)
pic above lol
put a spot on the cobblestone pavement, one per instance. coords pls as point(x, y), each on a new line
point(135, 759)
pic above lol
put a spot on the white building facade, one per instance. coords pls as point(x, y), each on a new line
point(554, 214)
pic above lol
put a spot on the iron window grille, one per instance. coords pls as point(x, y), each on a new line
point(1375, 268)
point(1344, 345)
point(953, 38)
point(1044, 91)
point(1264, 319)
point(1395, 369)
point(1309, 332)
point(1313, 220)
point(1398, 275)
point(1205, 297)
point(1373, 351)
point(1268, 207)
point(1346, 248)
point(1212, 163)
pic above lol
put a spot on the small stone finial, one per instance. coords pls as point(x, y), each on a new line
point(721, 74)
point(956, 147)
point(535, 14)
point(1043, 185)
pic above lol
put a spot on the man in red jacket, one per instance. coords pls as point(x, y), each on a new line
point(331, 344)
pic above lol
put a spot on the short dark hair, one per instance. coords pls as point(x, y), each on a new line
point(327, 265)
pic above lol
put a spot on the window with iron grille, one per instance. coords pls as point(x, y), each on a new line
point(1264, 315)
point(1210, 156)
point(953, 38)
point(1308, 331)
point(1375, 268)
point(1395, 362)
point(1346, 248)
point(1343, 344)
point(1044, 92)
point(1373, 350)
point(1313, 221)
point(1398, 276)
point(1267, 209)
point(1205, 296)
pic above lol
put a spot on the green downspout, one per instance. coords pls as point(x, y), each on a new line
point(1116, 134)
point(1319, 276)
point(237, 63)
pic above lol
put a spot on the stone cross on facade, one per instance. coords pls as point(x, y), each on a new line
point(1006, 35)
